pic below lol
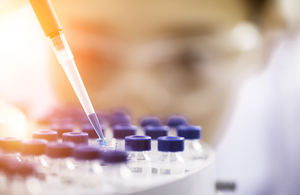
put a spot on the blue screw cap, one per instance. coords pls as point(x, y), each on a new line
point(170, 144)
point(34, 147)
point(114, 156)
point(150, 120)
point(175, 120)
point(119, 118)
point(189, 131)
point(156, 131)
point(86, 153)
point(137, 143)
point(59, 150)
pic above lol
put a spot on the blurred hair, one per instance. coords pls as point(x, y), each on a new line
point(256, 9)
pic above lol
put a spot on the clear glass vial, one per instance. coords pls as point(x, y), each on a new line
point(21, 178)
point(11, 146)
point(138, 160)
point(116, 172)
point(171, 162)
point(33, 151)
point(88, 172)
point(155, 132)
point(61, 163)
point(193, 154)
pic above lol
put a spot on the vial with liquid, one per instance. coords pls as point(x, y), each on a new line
point(120, 132)
point(193, 153)
point(109, 144)
point(137, 147)
point(21, 178)
point(117, 174)
point(170, 161)
point(155, 132)
point(88, 172)
point(61, 163)
point(33, 151)
point(11, 147)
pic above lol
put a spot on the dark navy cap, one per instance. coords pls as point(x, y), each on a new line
point(170, 144)
point(114, 156)
point(150, 120)
point(76, 137)
point(189, 131)
point(137, 143)
point(156, 131)
point(45, 134)
point(121, 131)
point(34, 147)
point(59, 150)
point(61, 128)
point(89, 129)
point(175, 120)
point(86, 153)
point(10, 144)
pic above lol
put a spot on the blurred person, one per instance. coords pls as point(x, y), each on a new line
point(185, 57)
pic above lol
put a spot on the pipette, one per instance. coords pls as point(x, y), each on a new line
point(49, 22)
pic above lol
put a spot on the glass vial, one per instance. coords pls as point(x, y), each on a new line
point(171, 162)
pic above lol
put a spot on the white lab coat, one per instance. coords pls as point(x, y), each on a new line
point(261, 150)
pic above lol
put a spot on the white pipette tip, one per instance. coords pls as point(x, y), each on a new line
point(95, 123)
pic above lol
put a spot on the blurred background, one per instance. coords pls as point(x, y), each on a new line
point(231, 66)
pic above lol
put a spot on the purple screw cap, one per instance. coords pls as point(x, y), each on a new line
point(120, 120)
point(45, 134)
point(150, 120)
point(170, 144)
point(10, 144)
point(175, 120)
point(121, 131)
point(189, 131)
point(137, 143)
point(156, 131)
point(62, 128)
point(112, 157)
point(86, 153)
point(76, 137)
point(34, 147)
point(59, 150)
